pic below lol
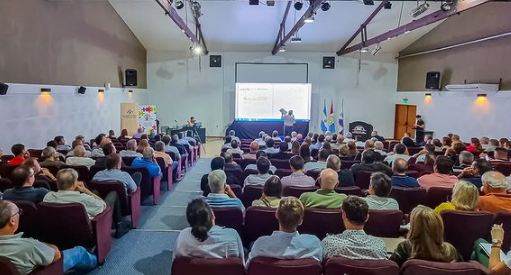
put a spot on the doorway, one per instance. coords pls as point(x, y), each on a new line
point(404, 120)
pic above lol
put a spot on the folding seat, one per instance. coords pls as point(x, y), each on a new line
point(341, 265)
point(283, 173)
point(259, 221)
point(244, 162)
point(231, 217)
point(437, 195)
point(6, 170)
point(346, 164)
point(7, 268)
point(408, 198)
point(202, 266)
point(296, 191)
point(35, 153)
point(420, 267)
point(264, 265)
point(384, 223)
point(280, 163)
point(414, 150)
point(29, 222)
point(251, 193)
point(313, 174)
point(179, 172)
point(149, 186)
point(128, 160)
point(321, 222)
point(504, 168)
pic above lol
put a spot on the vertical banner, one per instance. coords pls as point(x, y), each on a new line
point(147, 118)
point(129, 117)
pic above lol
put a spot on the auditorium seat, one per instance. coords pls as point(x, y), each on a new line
point(265, 265)
point(314, 153)
point(6, 170)
point(313, 174)
point(421, 267)
point(149, 186)
point(384, 223)
point(202, 266)
point(346, 164)
point(341, 265)
point(505, 220)
point(29, 222)
point(7, 268)
point(230, 217)
point(414, 150)
point(280, 163)
point(251, 193)
point(68, 225)
point(167, 173)
point(6, 158)
point(83, 172)
point(408, 198)
point(244, 162)
point(412, 173)
point(296, 191)
point(246, 173)
point(5, 184)
point(349, 190)
point(321, 222)
point(259, 221)
point(179, 172)
point(53, 169)
point(94, 170)
point(463, 228)
point(283, 172)
point(130, 203)
point(504, 168)
point(437, 195)
point(35, 153)
point(362, 179)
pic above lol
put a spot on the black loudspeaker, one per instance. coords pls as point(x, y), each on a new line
point(3, 88)
point(81, 90)
point(433, 80)
point(253, 2)
point(215, 61)
point(131, 77)
point(328, 62)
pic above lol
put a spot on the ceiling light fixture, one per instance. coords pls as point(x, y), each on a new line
point(481, 95)
point(428, 94)
point(369, 2)
point(282, 49)
point(309, 19)
point(388, 5)
point(196, 9)
point(364, 50)
point(376, 49)
point(420, 9)
point(296, 39)
point(325, 6)
point(197, 50)
point(179, 4)
point(298, 6)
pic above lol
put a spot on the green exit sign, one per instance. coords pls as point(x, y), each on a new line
point(405, 100)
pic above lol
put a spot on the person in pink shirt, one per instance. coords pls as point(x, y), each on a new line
point(441, 177)
point(297, 178)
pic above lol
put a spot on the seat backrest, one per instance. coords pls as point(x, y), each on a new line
point(504, 168)
point(231, 217)
point(94, 170)
point(83, 172)
point(463, 228)
point(203, 266)
point(320, 222)
point(5, 184)
point(128, 160)
point(421, 267)
point(280, 163)
point(259, 221)
point(161, 163)
point(106, 186)
point(7, 268)
point(146, 185)
point(6, 170)
point(437, 195)
point(251, 193)
point(35, 153)
point(349, 190)
point(408, 198)
point(384, 223)
point(313, 174)
point(296, 191)
point(341, 265)
point(505, 220)
point(362, 179)
point(264, 265)
point(29, 222)
point(244, 162)
point(346, 164)
point(283, 172)
point(65, 225)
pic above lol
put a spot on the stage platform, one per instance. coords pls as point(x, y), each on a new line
point(251, 129)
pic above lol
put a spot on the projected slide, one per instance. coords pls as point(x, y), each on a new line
point(262, 101)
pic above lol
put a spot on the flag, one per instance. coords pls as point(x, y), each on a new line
point(341, 120)
point(324, 121)
point(331, 119)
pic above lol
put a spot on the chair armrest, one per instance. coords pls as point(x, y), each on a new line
point(156, 189)
point(55, 268)
point(134, 200)
point(102, 226)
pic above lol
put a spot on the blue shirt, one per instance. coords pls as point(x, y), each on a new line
point(116, 174)
point(222, 200)
point(475, 181)
point(404, 181)
point(283, 245)
point(153, 168)
point(316, 145)
point(27, 193)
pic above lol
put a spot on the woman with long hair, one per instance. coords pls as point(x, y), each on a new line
point(305, 152)
point(204, 239)
point(465, 196)
point(142, 144)
point(475, 146)
point(425, 239)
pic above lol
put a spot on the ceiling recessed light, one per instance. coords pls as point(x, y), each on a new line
point(298, 6)
point(309, 19)
point(364, 50)
point(282, 49)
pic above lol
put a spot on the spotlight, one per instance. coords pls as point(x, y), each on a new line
point(282, 49)
point(428, 94)
point(298, 6)
point(388, 5)
point(369, 2)
point(270, 3)
point(131, 91)
point(45, 90)
point(364, 50)
point(325, 6)
point(309, 19)
point(481, 95)
point(179, 4)
point(420, 9)
point(446, 5)
point(198, 50)
point(196, 9)
point(376, 50)
point(296, 39)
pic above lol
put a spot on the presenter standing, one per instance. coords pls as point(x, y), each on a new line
point(289, 122)
point(419, 129)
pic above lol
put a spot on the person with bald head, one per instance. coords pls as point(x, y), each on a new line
point(325, 197)
point(254, 147)
point(26, 254)
point(495, 197)
point(400, 178)
point(380, 186)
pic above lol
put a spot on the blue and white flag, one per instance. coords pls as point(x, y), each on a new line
point(324, 120)
point(341, 119)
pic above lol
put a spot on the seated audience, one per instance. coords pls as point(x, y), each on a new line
point(254, 166)
point(400, 178)
point(275, 135)
point(227, 144)
point(26, 254)
point(131, 150)
point(75, 143)
point(188, 136)
point(124, 134)
point(438, 145)
point(235, 149)
point(379, 192)
point(142, 144)
point(221, 194)
point(345, 175)
point(217, 163)
point(369, 165)
point(180, 147)
point(230, 164)
point(425, 154)
point(305, 152)
point(113, 172)
point(465, 160)
point(111, 134)
point(408, 142)
point(148, 162)
point(41, 174)
point(499, 155)
point(272, 193)
point(139, 133)
point(295, 148)
point(475, 146)
point(184, 142)
point(254, 147)
point(159, 152)
point(441, 176)
point(270, 149)
point(287, 243)
point(204, 239)
point(465, 196)
point(108, 149)
point(352, 149)
point(495, 198)
point(98, 150)
point(425, 239)
point(473, 173)
point(263, 167)
point(446, 143)
point(497, 265)
point(456, 149)
point(400, 152)
point(325, 196)
point(354, 243)
point(169, 148)
point(489, 145)
point(50, 158)
point(260, 139)
point(233, 136)
point(83, 142)
point(374, 135)
point(20, 154)
point(61, 144)
point(297, 177)
point(23, 178)
point(79, 158)
point(320, 139)
point(317, 166)
point(378, 148)
point(282, 154)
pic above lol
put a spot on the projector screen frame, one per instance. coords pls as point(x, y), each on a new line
point(273, 63)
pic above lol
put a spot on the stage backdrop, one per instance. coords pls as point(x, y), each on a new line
point(251, 129)
point(129, 117)
point(147, 118)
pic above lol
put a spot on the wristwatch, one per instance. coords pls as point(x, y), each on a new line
point(496, 242)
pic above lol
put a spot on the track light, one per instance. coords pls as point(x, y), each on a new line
point(298, 6)
point(179, 4)
point(282, 49)
point(325, 6)
point(446, 5)
point(376, 50)
point(196, 9)
point(296, 39)
point(388, 5)
point(420, 9)
point(197, 49)
point(364, 50)
point(309, 19)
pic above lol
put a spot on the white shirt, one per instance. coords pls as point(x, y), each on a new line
point(507, 262)
point(237, 151)
point(76, 161)
point(256, 179)
point(390, 158)
point(381, 203)
point(283, 245)
point(221, 243)
point(289, 120)
point(298, 179)
point(314, 166)
point(254, 167)
point(93, 206)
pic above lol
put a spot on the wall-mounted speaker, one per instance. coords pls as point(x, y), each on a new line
point(3, 88)
point(215, 61)
point(328, 62)
point(433, 80)
point(130, 75)
point(81, 90)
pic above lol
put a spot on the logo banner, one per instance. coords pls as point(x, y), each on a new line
point(129, 117)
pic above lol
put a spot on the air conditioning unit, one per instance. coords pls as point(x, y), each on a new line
point(476, 88)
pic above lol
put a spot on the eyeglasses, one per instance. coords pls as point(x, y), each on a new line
point(20, 211)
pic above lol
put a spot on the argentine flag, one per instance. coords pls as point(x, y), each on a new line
point(324, 121)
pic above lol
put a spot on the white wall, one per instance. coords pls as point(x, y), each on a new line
point(180, 89)
point(462, 113)
point(32, 118)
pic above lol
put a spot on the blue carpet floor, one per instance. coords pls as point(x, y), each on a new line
point(148, 249)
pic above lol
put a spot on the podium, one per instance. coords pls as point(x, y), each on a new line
point(200, 131)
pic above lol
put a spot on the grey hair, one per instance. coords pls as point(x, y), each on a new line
point(232, 133)
point(131, 145)
point(378, 145)
point(466, 157)
point(148, 153)
point(348, 135)
point(159, 146)
point(216, 181)
point(49, 152)
point(175, 138)
point(495, 180)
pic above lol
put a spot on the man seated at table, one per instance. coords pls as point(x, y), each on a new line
point(325, 197)
point(287, 243)
point(297, 177)
point(379, 190)
point(221, 194)
point(148, 162)
point(26, 254)
point(22, 179)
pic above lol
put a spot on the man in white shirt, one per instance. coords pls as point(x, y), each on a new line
point(319, 165)
point(233, 136)
point(269, 147)
point(399, 153)
point(289, 122)
point(378, 147)
point(297, 178)
point(79, 158)
point(379, 190)
point(287, 243)
point(131, 147)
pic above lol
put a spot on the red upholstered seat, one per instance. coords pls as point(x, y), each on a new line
point(341, 265)
point(200, 266)
point(420, 267)
point(362, 179)
point(296, 191)
point(437, 195)
point(7, 268)
point(149, 186)
point(259, 221)
point(384, 223)
point(349, 190)
point(167, 173)
point(5, 184)
point(408, 198)
point(251, 193)
point(231, 217)
point(313, 174)
point(321, 222)
point(29, 222)
point(504, 168)
point(83, 172)
point(264, 265)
